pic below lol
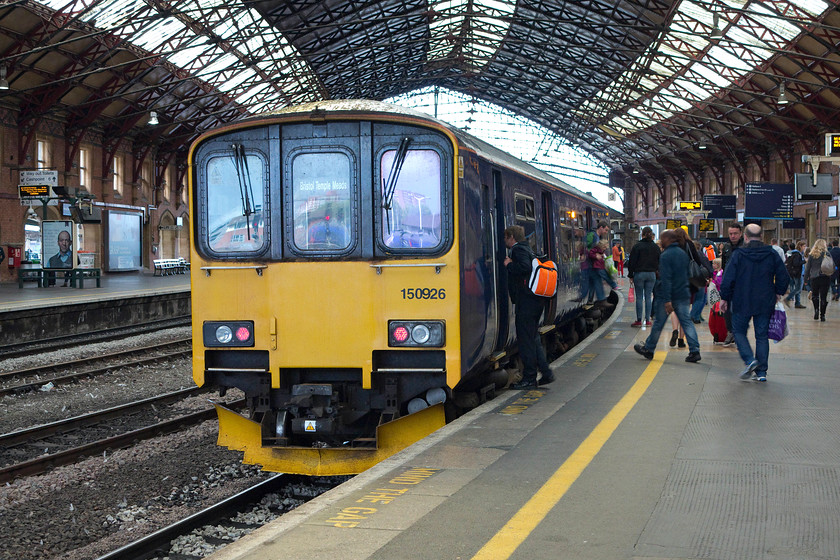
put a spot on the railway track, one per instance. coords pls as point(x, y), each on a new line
point(68, 440)
point(39, 376)
point(201, 533)
point(58, 343)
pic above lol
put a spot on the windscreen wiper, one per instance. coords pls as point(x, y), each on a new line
point(390, 185)
point(246, 191)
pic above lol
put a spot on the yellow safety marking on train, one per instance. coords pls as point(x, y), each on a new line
point(523, 403)
point(584, 360)
point(351, 517)
point(515, 531)
point(612, 334)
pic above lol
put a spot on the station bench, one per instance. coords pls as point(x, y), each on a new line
point(165, 267)
point(44, 277)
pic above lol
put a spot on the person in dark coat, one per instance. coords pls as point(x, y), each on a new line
point(835, 278)
point(641, 270)
point(529, 309)
point(753, 281)
point(671, 294)
point(736, 241)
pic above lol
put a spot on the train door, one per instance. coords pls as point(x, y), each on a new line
point(489, 248)
point(549, 244)
point(502, 299)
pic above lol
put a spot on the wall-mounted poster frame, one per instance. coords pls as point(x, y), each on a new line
point(123, 241)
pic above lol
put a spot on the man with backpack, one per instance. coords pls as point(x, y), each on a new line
point(529, 309)
point(793, 265)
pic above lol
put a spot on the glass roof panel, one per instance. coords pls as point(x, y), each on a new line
point(454, 32)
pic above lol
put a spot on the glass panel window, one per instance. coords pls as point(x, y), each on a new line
point(235, 202)
point(117, 172)
point(411, 199)
point(321, 197)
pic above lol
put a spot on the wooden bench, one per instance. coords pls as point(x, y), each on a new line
point(79, 275)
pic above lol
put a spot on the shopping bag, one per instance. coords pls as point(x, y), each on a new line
point(778, 323)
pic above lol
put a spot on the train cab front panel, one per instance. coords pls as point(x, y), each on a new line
point(326, 285)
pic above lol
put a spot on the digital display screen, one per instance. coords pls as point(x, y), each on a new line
point(707, 225)
point(769, 201)
point(673, 224)
point(691, 205)
point(719, 206)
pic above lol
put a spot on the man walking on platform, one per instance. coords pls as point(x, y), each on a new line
point(753, 281)
point(736, 241)
point(671, 294)
point(793, 264)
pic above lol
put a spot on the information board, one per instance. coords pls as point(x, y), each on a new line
point(795, 223)
point(769, 201)
point(706, 225)
point(807, 190)
point(719, 206)
point(673, 224)
point(691, 205)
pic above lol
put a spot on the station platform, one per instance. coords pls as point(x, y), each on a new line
point(112, 286)
point(620, 458)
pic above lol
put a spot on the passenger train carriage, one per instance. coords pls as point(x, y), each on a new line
point(347, 276)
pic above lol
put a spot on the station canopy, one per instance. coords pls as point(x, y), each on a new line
point(662, 86)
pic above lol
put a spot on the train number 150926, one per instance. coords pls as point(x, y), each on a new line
point(423, 293)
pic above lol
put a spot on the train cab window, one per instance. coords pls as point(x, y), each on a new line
point(411, 187)
point(322, 200)
point(236, 185)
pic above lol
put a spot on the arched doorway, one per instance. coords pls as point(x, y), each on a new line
point(167, 237)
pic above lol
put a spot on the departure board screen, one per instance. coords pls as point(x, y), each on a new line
point(769, 201)
point(719, 206)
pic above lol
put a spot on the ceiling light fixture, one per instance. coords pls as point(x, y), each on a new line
point(702, 146)
point(783, 95)
point(3, 83)
point(153, 120)
point(717, 32)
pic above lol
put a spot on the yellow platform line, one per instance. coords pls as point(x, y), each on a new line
point(514, 533)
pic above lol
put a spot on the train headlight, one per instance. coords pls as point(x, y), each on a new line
point(224, 334)
point(228, 333)
point(428, 334)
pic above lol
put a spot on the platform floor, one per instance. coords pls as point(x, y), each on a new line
point(621, 458)
point(113, 286)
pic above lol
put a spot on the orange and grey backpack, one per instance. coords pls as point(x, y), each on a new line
point(543, 280)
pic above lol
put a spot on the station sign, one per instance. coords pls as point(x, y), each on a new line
point(720, 206)
point(832, 144)
point(47, 177)
point(673, 224)
point(34, 191)
point(692, 206)
point(769, 201)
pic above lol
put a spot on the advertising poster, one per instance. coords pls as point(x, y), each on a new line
point(123, 236)
point(57, 251)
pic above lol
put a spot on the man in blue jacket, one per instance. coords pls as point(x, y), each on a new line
point(753, 281)
point(671, 294)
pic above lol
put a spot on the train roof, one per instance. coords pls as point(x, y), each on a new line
point(481, 147)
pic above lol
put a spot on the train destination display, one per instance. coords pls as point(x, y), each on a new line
point(769, 201)
point(719, 206)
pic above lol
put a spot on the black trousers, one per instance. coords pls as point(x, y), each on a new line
point(819, 294)
point(529, 309)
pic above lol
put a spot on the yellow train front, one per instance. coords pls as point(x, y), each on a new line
point(331, 278)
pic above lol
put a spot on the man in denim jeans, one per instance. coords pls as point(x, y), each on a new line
point(641, 270)
point(793, 264)
point(671, 294)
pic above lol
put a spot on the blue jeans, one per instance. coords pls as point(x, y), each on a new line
point(643, 286)
point(761, 324)
point(698, 305)
point(596, 284)
point(795, 289)
point(606, 278)
point(682, 309)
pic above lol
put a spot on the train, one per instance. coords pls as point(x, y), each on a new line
point(347, 276)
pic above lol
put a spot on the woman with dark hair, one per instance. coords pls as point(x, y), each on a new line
point(687, 245)
point(642, 267)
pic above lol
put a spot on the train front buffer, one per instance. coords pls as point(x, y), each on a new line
point(335, 384)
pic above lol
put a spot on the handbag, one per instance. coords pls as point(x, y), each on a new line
point(712, 294)
point(827, 265)
point(778, 324)
point(697, 273)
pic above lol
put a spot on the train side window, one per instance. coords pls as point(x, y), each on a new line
point(526, 217)
point(236, 184)
point(322, 197)
point(411, 198)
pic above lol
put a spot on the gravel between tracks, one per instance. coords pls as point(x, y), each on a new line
point(84, 510)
